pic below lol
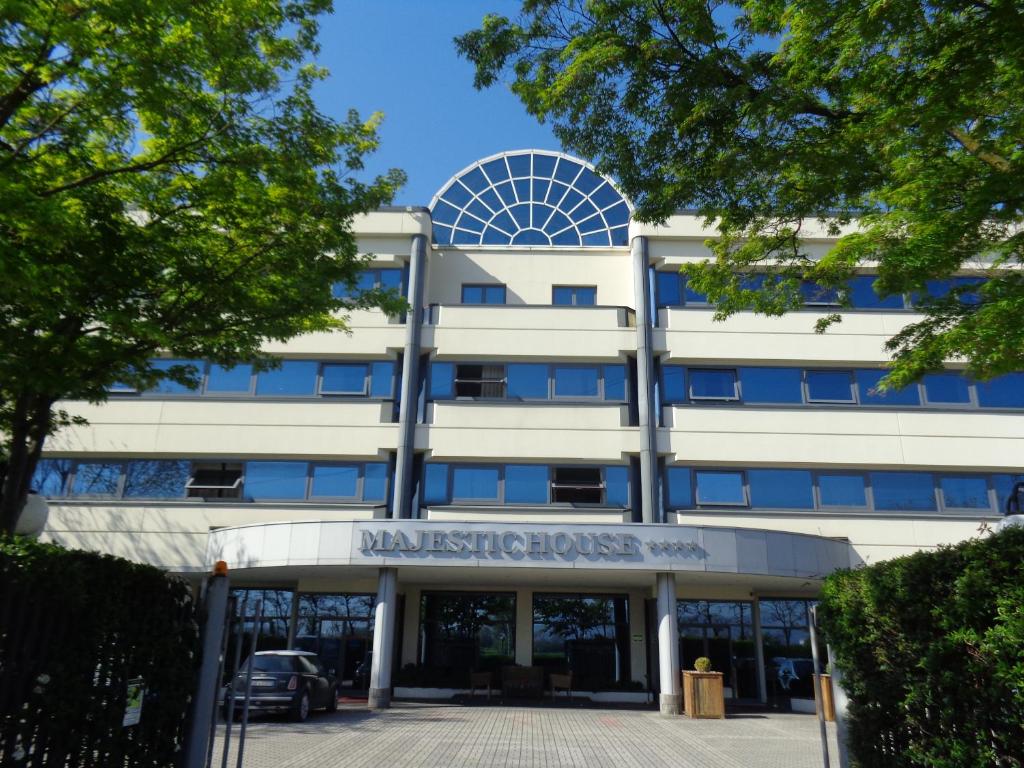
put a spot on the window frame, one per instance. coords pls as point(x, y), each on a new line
point(851, 383)
point(367, 375)
point(73, 478)
point(501, 500)
point(483, 294)
point(744, 485)
point(990, 493)
point(972, 393)
point(706, 399)
point(575, 295)
point(869, 502)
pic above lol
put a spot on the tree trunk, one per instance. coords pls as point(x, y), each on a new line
point(30, 423)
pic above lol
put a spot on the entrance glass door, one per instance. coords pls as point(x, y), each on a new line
point(339, 628)
point(723, 632)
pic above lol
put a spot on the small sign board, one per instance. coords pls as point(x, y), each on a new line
point(638, 638)
point(133, 706)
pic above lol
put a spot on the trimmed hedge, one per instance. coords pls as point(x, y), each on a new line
point(931, 647)
point(76, 626)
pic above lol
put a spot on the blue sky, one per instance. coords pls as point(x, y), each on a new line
point(397, 57)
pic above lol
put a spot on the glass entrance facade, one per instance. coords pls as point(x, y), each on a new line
point(338, 627)
point(787, 649)
point(723, 631)
point(464, 632)
point(587, 635)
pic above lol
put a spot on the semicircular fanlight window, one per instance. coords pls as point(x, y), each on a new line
point(530, 197)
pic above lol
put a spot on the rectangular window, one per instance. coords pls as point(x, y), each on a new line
point(215, 480)
point(668, 289)
point(721, 488)
point(527, 381)
point(275, 479)
point(339, 481)
point(472, 380)
point(475, 483)
point(781, 488)
point(617, 486)
point(964, 492)
point(577, 485)
point(168, 387)
point(862, 295)
point(712, 384)
point(825, 386)
point(1002, 392)
point(229, 381)
point(382, 379)
point(1004, 485)
point(51, 477)
point(615, 382)
point(344, 379)
point(483, 294)
point(771, 385)
point(842, 490)
point(574, 295)
point(375, 481)
point(673, 381)
point(815, 295)
point(97, 478)
point(442, 381)
point(526, 484)
point(946, 389)
point(575, 381)
point(895, 491)
point(435, 483)
point(378, 278)
point(294, 378)
point(679, 490)
point(867, 383)
point(156, 479)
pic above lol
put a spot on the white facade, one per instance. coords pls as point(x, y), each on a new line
point(643, 435)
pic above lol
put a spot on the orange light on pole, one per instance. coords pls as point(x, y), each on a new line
point(220, 568)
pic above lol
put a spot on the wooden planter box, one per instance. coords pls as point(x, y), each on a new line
point(703, 695)
point(827, 698)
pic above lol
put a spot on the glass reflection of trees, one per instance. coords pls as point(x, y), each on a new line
point(787, 648)
point(723, 631)
point(339, 628)
point(463, 632)
point(587, 635)
point(277, 615)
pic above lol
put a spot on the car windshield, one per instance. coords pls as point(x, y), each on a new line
point(273, 663)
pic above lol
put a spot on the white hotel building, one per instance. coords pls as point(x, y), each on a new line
point(557, 460)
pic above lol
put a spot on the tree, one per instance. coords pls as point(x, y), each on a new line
point(897, 125)
point(167, 185)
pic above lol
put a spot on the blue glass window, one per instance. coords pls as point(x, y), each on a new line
point(275, 479)
point(382, 378)
point(168, 387)
point(483, 294)
point(829, 386)
point(771, 385)
point(668, 289)
point(343, 379)
point(616, 480)
point(818, 295)
point(51, 477)
point(946, 388)
point(156, 479)
point(475, 483)
point(574, 295)
point(615, 382)
point(896, 491)
point(867, 381)
point(692, 296)
point(964, 492)
point(383, 278)
point(575, 381)
point(375, 481)
point(339, 481)
point(720, 488)
point(862, 295)
point(840, 490)
point(528, 381)
point(1002, 392)
point(712, 384)
point(526, 484)
point(781, 488)
point(294, 377)
point(97, 478)
point(442, 378)
point(1004, 485)
point(679, 491)
point(236, 380)
point(673, 379)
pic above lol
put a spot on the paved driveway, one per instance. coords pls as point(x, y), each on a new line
point(448, 735)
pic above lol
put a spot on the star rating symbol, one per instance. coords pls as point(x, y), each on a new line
point(668, 547)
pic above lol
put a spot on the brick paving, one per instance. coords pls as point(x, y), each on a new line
point(413, 735)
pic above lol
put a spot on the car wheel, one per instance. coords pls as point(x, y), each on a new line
point(301, 710)
point(332, 700)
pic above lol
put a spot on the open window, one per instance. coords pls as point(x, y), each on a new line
point(215, 480)
point(577, 485)
point(480, 380)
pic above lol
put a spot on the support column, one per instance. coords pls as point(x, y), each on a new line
point(671, 698)
point(383, 639)
point(409, 386)
point(524, 627)
point(762, 681)
point(648, 420)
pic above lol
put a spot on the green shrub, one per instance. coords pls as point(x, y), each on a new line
point(702, 664)
point(76, 627)
point(931, 647)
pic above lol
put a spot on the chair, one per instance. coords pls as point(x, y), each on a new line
point(561, 681)
point(480, 680)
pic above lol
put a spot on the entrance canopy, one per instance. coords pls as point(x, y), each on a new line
point(427, 544)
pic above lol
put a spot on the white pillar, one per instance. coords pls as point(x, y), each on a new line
point(383, 639)
point(671, 698)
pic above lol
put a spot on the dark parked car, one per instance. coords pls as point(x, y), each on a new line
point(285, 681)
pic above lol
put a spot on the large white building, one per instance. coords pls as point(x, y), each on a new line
point(556, 460)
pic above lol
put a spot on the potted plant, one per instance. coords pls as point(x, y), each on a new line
point(827, 700)
point(703, 692)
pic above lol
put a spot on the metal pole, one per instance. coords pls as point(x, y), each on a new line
point(206, 686)
point(841, 703)
point(220, 680)
point(646, 416)
point(248, 681)
point(820, 708)
point(229, 703)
